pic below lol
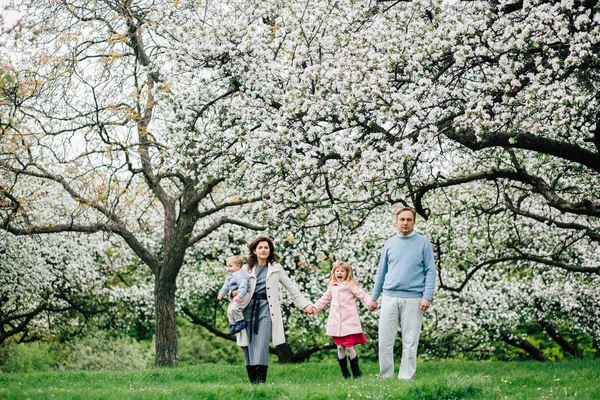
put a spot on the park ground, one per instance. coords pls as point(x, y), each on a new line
point(568, 379)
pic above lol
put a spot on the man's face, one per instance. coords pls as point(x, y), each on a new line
point(405, 221)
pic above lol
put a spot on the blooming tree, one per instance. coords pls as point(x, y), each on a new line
point(163, 121)
point(94, 148)
point(49, 287)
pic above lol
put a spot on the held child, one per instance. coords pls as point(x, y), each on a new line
point(343, 323)
point(236, 279)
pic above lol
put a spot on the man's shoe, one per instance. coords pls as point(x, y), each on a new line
point(240, 326)
point(231, 329)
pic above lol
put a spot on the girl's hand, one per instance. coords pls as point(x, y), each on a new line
point(238, 299)
point(219, 297)
point(310, 309)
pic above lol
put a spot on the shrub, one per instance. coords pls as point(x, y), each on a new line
point(197, 346)
point(102, 352)
point(28, 357)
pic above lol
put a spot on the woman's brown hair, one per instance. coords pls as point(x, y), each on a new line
point(252, 259)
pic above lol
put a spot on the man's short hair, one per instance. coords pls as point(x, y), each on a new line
point(412, 210)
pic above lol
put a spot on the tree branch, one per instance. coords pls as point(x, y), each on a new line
point(222, 221)
point(474, 270)
point(556, 263)
point(525, 141)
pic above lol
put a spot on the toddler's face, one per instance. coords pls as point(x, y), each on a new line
point(232, 267)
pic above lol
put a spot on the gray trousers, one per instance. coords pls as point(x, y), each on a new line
point(405, 312)
point(235, 310)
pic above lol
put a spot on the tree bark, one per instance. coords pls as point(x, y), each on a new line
point(562, 342)
point(285, 354)
point(166, 332)
point(526, 346)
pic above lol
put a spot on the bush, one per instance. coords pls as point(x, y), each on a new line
point(102, 352)
point(28, 357)
point(196, 346)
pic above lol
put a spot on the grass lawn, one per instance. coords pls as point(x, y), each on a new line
point(577, 379)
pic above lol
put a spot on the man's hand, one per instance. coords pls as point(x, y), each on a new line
point(425, 304)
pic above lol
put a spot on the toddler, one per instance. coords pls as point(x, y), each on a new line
point(236, 279)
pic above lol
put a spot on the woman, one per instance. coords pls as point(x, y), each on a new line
point(263, 313)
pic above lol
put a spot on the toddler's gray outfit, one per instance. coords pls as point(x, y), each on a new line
point(240, 281)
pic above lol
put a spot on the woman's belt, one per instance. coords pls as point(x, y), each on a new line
point(259, 296)
point(254, 318)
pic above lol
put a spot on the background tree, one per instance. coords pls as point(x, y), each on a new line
point(170, 121)
point(101, 149)
point(49, 288)
point(374, 104)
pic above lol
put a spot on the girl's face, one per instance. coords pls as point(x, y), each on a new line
point(340, 274)
point(262, 250)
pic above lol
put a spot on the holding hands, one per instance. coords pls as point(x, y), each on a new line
point(373, 306)
point(310, 310)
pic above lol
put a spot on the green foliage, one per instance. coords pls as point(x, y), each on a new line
point(102, 352)
point(27, 357)
point(196, 345)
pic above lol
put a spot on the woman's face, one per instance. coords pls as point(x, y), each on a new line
point(262, 250)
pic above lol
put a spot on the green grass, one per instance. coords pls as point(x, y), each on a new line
point(577, 379)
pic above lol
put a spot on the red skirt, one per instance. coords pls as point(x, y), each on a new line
point(349, 340)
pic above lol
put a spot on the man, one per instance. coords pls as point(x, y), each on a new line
point(406, 275)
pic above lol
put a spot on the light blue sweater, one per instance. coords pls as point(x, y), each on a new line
point(406, 268)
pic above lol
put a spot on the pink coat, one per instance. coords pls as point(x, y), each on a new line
point(343, 317)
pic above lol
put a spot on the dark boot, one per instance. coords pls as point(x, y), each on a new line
point(344, 366)
point(261, 373)
point(251, 369)
point(356, 372)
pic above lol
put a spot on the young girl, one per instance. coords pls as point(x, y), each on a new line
point(343, 323)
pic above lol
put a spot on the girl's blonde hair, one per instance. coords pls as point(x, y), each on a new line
point(346, 267)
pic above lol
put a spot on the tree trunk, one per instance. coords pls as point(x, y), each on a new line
point(527, 346)
point(566, 346)
point(166, 331)
point(285, 354)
